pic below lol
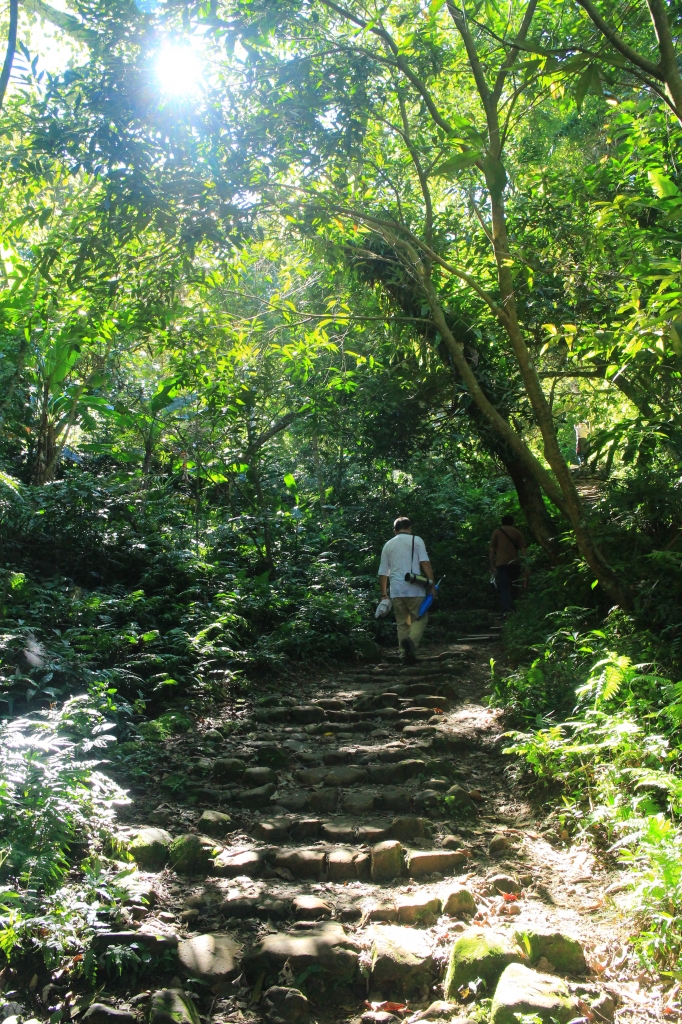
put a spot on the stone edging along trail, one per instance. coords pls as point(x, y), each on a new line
point(357, 851)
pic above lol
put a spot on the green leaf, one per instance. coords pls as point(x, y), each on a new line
point(589, 81)
point(662, 186)
point(8, 481)
point(675, 336)
point(459, 162)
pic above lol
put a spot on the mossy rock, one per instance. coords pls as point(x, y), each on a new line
point(191, 854)
point(566, 954)
point(149, 848)
point(478, 954)
point(522, 991)
point(214, 823)
point(170, 723)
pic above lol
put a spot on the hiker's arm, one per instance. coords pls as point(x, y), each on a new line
point(428, 572)
point(492, 550)
point(383, 580)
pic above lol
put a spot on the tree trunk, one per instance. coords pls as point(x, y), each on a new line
point(496, 179)
point(47, 443)
point(533, 507)
point(263, 506)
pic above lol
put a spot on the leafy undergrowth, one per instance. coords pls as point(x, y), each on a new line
point(613, 769)
point(57, 810)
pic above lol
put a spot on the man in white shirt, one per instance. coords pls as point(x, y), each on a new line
point(402, 555)
point(582, 434)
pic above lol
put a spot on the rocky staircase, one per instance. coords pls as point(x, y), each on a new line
point(344, 866)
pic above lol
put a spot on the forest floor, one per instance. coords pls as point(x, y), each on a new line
point(372, 823)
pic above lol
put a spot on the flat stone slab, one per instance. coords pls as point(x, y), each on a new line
point(359, 801)
point(294, 801)
point(387, 861)
point(372, 834)
point(257, 797)
point(310, 908)
point(343, 755)
point(323, 800)
point(274, 831)
point(341, 865)
point(323, 950)
point(521, 990)
point(306, 828)
point(346, 776)
point(100, 1013)
point(229, 768)
point(311, 776)
point(212, 957)
point(394, 798)
point(409, 827)
point(303, 863)
point(338, 831)
point(424, 862)
point(420, 910)
point(255, 777)
point(401, 960)
point(229, 864)
point(307, 713)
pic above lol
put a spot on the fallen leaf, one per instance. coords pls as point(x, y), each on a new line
point(386, 1005)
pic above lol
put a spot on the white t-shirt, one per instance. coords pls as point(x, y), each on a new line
point(396, 560)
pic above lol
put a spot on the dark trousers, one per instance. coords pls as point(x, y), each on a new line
point(507, 578)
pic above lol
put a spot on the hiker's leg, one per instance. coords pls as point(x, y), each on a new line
point(504, 586)
point(401, 620)
point(417, 625)
point(514, 576)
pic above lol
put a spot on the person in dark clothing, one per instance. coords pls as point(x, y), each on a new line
point(507, 548)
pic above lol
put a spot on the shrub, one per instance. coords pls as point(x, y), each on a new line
point(54, 804)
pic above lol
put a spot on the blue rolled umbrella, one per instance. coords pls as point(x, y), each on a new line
point(428, 601)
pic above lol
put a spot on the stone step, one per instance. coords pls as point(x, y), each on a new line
point(383, 861)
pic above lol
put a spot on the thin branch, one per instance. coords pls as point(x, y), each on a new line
point(510, 59)
point(11, 49)
point(400, 61)
point(423, 183)
point(610, 33)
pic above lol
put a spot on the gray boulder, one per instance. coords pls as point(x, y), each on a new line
point(285, 1006)
point(100, 1013)
point(149, 848)
point(521, 990)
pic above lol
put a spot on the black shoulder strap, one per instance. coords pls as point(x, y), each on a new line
point(412, 559)
point(502, 530)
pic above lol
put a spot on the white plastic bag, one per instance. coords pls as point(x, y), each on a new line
point(383, 608)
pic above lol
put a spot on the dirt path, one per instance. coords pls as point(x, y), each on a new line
point(371, 825)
